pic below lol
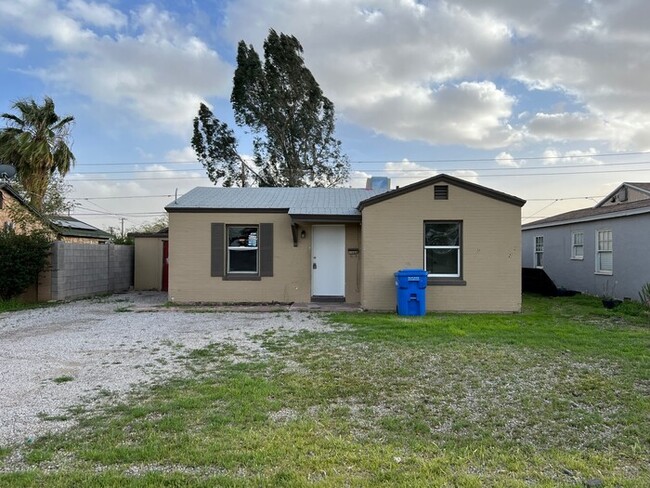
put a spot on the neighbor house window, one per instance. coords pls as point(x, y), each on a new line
point(604, 252)
point(442, 249)
point(577, 245)
point(243, 255)
point(539, 251)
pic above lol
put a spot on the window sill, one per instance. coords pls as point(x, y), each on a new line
point(446, 282)
point(241, 277)
point(577, 259)
point(604, 273)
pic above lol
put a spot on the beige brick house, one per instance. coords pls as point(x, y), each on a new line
point(342, 244)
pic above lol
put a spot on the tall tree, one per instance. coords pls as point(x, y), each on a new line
point(292, 121)
point(37, 142)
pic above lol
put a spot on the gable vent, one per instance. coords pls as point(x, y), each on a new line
point(440, 192)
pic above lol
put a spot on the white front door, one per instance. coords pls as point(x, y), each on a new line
point(328, 260)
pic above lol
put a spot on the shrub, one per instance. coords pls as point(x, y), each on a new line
point(644, 294)
point(22, 257)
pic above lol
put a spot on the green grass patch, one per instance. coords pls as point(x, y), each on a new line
point(63, 379)
point(16, 305)
point(553, 396)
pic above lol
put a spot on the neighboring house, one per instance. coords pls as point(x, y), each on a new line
point(341, 244)
point(602, 250)
point(17, 214)
point(151, 253)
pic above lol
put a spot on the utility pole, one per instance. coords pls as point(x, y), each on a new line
point(122, 219)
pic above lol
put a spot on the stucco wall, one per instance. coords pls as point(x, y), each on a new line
point(631, 248)
point(392, 239)
point(189, 261)
point(148, 263)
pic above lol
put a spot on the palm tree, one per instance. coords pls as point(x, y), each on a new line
point(36, 142)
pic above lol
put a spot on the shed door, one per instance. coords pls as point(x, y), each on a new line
point(328, 261)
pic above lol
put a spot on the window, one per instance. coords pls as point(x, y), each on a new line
point(604, 252)
point(242, 249)
point(231, 260)
point(577, 245)
point(539, 251)
point(442, 249)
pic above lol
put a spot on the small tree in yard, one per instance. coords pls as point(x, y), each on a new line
point(22, 257)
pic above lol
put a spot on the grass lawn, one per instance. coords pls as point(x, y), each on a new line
point(554, 396)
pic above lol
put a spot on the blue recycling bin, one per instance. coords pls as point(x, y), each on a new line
point(411, 285)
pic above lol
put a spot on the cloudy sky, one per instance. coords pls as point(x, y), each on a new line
point(549, 101)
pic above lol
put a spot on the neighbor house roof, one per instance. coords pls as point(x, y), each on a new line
point(593, 213)
point(295, 201)
point(62, 225)
point(70, 227)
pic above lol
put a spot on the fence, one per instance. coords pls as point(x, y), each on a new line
point(78, 270)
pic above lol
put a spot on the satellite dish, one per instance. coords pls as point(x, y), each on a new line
point(7, 171)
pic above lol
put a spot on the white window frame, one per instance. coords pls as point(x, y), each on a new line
point(243, 248)
point(539, 252)
point(458, 248)
point(577, 245)
point(599, 252)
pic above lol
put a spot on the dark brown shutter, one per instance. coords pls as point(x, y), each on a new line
point(217, 249)
point(266, 249)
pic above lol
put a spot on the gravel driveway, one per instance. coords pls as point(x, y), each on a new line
point(80, 352)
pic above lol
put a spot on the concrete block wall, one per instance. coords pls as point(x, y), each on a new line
point(89, 269)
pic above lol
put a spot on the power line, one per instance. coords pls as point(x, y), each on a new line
point(513, 175)
point(400, 159)
point(405, 170)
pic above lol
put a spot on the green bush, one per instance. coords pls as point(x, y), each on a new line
point(22, 257)
point(644, 294)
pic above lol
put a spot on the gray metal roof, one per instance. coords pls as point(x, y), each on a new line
point(593, 213)
point(296, 201)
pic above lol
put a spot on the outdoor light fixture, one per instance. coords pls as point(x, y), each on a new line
point(303, 234)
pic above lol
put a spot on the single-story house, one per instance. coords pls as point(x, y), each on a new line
point(16, 213)
point(601, 250)
point(345, 244)
point(151, 270)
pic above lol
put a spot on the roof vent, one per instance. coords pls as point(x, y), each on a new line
point(378, 183)
point(440, 192)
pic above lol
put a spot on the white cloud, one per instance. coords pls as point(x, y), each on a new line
point(160, 74)
point(97, 14)
point(394, 66)
point(16, 49)
point(506, 160)
point(181, 155)
point(555, 157)
point(471, 113)
point(383, 62)
point(154, 190)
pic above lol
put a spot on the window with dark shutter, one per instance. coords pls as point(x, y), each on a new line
point(440, 192)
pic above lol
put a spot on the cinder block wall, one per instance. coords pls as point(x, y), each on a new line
point(88, 269)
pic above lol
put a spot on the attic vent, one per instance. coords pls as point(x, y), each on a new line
point(620, 196)
point(440, 192)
